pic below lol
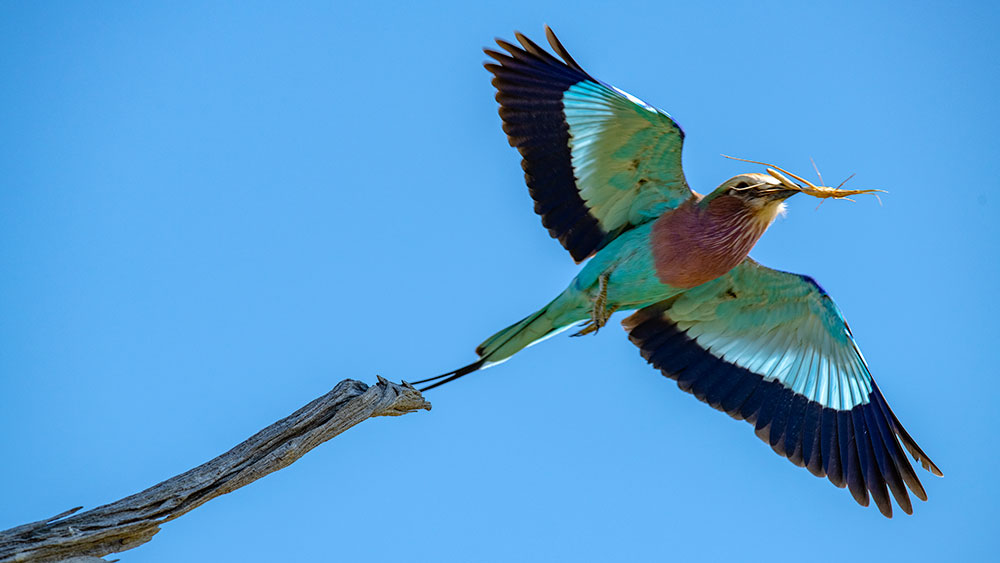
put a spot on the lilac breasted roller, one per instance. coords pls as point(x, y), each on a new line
point(765, 346)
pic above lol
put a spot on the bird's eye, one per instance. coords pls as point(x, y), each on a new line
point(738, 187)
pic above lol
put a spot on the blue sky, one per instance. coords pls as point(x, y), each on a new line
point(214, 212)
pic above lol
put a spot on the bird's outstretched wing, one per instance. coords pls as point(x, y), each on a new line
point(773, 349)
point(596, 159)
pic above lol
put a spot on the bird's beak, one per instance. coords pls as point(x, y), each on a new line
point(784, 190)
point(781, 193)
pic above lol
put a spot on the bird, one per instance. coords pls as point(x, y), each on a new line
point(762, 345)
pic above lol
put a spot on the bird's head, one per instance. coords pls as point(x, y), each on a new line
point(755, 190)
point(755, 197)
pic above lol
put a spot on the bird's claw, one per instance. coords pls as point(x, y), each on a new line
point(600, 313)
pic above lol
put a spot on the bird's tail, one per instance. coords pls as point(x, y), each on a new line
point(534, 328)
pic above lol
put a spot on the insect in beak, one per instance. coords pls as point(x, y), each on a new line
point(808, 188)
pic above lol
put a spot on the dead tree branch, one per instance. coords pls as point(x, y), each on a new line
point(134, 520)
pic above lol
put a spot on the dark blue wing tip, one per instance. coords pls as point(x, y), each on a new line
point(816, 284)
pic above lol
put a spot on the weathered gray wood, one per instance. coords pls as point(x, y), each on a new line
point(134, 520)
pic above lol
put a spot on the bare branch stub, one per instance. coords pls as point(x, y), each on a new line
point(134, 520)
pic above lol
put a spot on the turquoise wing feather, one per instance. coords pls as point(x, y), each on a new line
point(772, 348)
point(597, 160)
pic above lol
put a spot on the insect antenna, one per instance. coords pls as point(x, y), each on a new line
point(818, 175)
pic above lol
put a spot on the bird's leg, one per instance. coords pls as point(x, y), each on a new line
point(600, 313)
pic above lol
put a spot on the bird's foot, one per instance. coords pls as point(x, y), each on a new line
point(600, 313)
point(595, 323)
